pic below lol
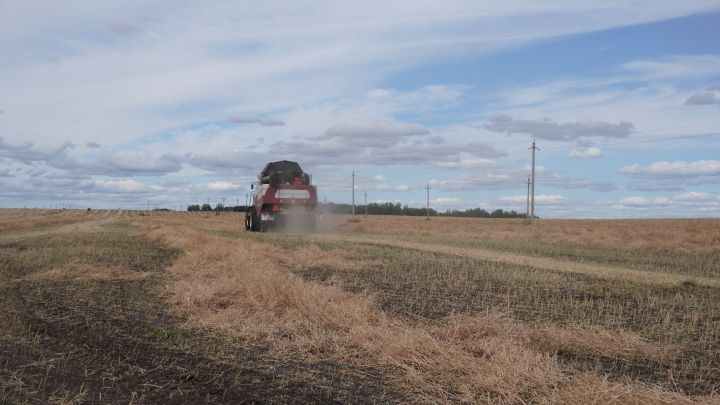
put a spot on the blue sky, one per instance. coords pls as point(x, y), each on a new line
point(114, 104)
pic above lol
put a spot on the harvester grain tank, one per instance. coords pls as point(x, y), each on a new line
point(283, 197)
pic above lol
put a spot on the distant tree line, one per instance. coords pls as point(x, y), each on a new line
point(379, 209)
point(217, 208)
point(398, 209)
point(481, 213)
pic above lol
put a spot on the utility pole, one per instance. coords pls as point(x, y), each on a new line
point(366, 208)
point(427, 210)
point(532, 185)
point(527, 208)
point(353, 193)
point(148, 206)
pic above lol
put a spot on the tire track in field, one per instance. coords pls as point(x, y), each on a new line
point(545, 263)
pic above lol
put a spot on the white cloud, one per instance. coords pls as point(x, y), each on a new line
point(253, 119)
point(27, 152)
point(218, 186)
point(696, 196)
point(140, 78)
point(681, 66)
point(467, 163)
point(691, 202)
point(122, 163)
point(540, 198)
point(590, 152)
point(709, 96)
point(243, 57)
point(381, 143)
point(445, 201)
point(635, 201)
point(124, 186)
point(366, 131)
point(674, 169)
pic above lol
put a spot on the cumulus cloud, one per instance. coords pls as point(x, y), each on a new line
point(709, 96)
point(218, 186)
point(557, 131)
point(380, 143)
point(364, 131)
point(123, 163)
point(445, 201)
point(232, 162)
point(591, 152)
point(674, 169)
point(27, 152)
point(550, 179)
point(689, 202)
point(467, 163)
point(502, 177)
point(92, 145)
point(635, 200)
point(254, 119)
point(696, 196)
point(478, 181)
point(399, 187)
point(124, 186)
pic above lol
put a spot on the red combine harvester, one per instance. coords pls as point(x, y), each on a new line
point(283, 198)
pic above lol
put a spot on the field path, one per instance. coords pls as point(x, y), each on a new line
point(552, 264)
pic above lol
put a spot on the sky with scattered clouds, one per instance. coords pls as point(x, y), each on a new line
point(120, 104)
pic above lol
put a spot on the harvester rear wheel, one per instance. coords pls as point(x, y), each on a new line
point(252, 222)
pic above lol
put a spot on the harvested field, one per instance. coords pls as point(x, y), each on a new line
point(121, 307)
point(675, 235)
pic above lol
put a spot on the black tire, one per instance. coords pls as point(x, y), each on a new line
point(263, 226)
point(248, 223)
point(252, 222)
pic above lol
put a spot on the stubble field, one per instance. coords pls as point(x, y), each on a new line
point(134, 307)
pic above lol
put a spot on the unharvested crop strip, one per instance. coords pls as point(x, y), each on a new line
point(595, 270)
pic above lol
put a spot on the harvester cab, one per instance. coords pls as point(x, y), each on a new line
point(283, 198)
